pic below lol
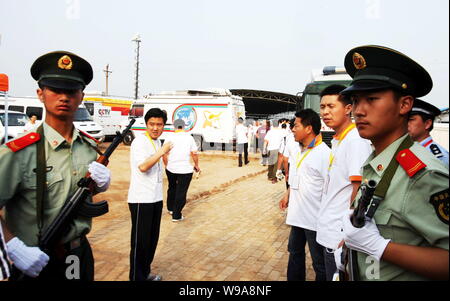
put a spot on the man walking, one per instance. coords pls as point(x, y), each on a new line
point(178, 168)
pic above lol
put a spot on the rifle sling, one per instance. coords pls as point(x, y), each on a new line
point(41, 180)
point(386, 179)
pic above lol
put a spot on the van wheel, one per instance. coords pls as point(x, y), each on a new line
point(129, 137)
point(198, 141)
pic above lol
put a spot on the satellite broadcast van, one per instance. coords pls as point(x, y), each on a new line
point(210, 115)
point(108, 111)
point(31, 105)
point(320, 79)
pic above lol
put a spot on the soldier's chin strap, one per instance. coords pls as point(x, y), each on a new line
point(379, 195)
point(41, 180)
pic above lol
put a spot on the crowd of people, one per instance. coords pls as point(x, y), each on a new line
point(401, 235)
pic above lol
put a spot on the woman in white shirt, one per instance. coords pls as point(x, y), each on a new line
point(179, 170)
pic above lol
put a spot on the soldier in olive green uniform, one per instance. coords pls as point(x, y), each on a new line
point(408, 237)
point(69, 155)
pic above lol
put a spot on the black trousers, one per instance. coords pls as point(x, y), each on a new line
point(177, 192)
point(75, 264)
point(145, 225)
point(296, 270)
point(242, 147)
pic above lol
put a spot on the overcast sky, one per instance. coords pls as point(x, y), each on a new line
point(247, 44)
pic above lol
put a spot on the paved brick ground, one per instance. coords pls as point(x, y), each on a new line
point(233, 230)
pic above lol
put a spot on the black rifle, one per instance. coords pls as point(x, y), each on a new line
point(77, 204)
point(367, 205)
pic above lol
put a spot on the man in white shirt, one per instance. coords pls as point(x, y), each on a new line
point(179, 169)
point(348, 153)
point(308, 174)
point(31, 124)
point(145, 194)
point(288, 149)
point(272, 143)
point(242, 141)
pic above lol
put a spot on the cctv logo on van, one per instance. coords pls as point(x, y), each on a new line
point(187, 114)
point(104, 112)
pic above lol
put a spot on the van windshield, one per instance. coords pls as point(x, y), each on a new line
point(14, 119)
point(82, 114)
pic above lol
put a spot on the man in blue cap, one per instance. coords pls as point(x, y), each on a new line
point(420, 124)
point(407, 238)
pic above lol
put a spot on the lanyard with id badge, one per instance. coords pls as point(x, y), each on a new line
point(334, 151)
point(159, 172)
point(295, 183)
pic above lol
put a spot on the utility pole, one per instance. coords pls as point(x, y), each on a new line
point(137, 39)
point(107, 72)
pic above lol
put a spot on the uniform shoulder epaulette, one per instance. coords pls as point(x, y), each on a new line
point(410, 162)
point(436, 150)
point(90, 137)
point(24, 141)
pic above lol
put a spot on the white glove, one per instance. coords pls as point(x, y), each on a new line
point(30, 260)
point(366, 239)
point(338, 259)
point(101, 175)
point(279, 175)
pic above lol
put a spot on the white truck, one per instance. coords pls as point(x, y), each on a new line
point(32, 105)
point(108, 111)
point(210, 115)
point(16, 124)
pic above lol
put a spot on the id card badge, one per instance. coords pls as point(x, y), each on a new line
point(327, 182)
point(159, 171)
point(295, 183)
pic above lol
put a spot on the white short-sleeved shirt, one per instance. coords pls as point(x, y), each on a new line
point(306, 186)
point(290, 151)
point(178, 160)
point(145, 187)
point(274, 137)
point(241, 134)
point(349, 155)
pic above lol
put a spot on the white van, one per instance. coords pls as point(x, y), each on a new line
point(210, 115)
point(16, 124)
point(31, 105)
point(108, 111)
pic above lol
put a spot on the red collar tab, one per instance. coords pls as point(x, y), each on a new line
point(23, 141)
point(410, 163)
point(428, 143)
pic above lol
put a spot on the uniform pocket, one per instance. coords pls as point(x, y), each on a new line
point(383, 219)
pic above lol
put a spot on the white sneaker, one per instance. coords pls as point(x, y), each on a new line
point(178, 220)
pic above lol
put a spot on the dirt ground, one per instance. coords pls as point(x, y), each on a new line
point(233, 228)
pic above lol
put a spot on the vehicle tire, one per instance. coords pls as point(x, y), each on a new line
point(198, 141)
point(129, 137)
